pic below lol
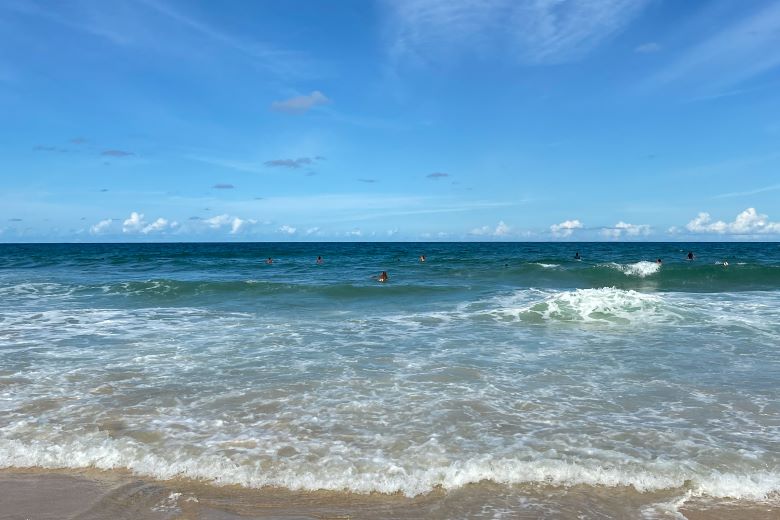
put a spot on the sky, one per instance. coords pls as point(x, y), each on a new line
point(397, 120)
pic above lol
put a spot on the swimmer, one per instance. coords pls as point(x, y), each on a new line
point(269, 261)
point(690, 255)
point(422, 258)
point(382, 277)
point(658, 261)
point(319, 260)
point(577, 256)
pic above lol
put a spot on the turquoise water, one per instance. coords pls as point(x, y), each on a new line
point(511, 363)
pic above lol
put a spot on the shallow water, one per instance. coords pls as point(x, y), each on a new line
point(501, 364)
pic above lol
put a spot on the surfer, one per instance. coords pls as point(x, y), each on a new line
point(658, 261)
point(422, 258)
point(382, 277)
point(319, 260)
point(690, 255)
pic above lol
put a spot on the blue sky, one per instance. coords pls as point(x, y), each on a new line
point(165, 120)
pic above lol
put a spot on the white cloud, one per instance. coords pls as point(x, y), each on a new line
point(749, 222)
point(621, 228)
point(354, 233)
point(158, 225)
point(287, 229)
point(300, 104)
point(100, 227)
point(312, 231)
point(134, 223)
point(500, 230)
point(565, 228)
point(236, 224)
point(537, 31)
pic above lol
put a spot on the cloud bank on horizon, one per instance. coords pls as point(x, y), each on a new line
point(440, 120)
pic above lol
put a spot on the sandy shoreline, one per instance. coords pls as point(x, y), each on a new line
point(42, 494)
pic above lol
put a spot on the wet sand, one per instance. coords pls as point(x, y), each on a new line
point(32, 494)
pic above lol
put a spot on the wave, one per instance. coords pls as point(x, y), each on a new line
point(605, 305)
point(640, 269)
point(380, 475)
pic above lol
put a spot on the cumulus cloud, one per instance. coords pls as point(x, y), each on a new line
point(749, 222)
point(313, 230)
point(565, 228)
point(158, 225)
point(437, 175)
point(287, 229)
point(647, 48)
point(500, 230)
point(100, 227)
point(137, 224)
point(134, 223)
point(116, 153)
point(289, 163)
point(300, 104)
point(621, 228)
point(354, 233)
point(235, 224)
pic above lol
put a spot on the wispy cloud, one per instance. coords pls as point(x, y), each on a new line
point(773, 187)
point(223, 186)
point(537, 31)
point(300, 104)
point(78, 140)
point(437, 175)
point(749, 222)
point(368, 181)
point(287, 230)
point(647, 48)
point(742, 50)
point(117, 153)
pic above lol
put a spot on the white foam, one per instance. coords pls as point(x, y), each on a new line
point(378, 474)
point(605, 305)
point(640, 269)
point(547, 266)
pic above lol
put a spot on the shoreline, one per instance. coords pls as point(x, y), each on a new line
point(41, 493)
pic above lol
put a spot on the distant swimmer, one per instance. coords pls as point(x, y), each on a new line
point(382, 277)
point(319, 260)
point(658, 261)
point(422, 258)
point(577, 256)
point(269, 261)
point(690, 255)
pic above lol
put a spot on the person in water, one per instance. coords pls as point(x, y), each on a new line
point(319, 260)
point(422, 258)
point(382, 277)
point(269, 261)
point(577, 256)
point(658, 261)
point(690, 255)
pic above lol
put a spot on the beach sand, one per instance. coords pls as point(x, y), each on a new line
point(31, 494)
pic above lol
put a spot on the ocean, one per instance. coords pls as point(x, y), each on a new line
point(494, 380)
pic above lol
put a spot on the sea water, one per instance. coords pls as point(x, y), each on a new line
point(507, 363)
